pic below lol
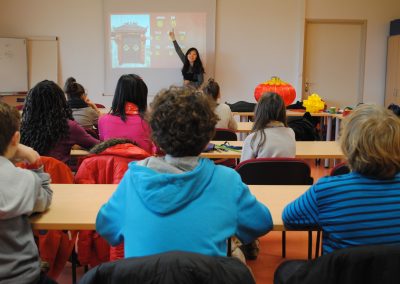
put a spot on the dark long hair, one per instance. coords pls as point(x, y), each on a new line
point(45, 117)
point(197, 64)
point(270, 107)
point(130, 88)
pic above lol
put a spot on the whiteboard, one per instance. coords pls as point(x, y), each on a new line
point(42, 60)
point(13, 65)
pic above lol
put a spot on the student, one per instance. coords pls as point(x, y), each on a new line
point(271, 137)
point(48, 125)
point(361, 207)
point(222, 110)
point(84, 111)
point(192, 70)
point(127, 116)
point(22, 192)
point(181, 201)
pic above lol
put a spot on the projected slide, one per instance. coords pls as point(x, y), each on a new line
point(142, 40)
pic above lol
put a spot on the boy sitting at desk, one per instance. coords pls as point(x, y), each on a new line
point(181, 201)
point(22, 192)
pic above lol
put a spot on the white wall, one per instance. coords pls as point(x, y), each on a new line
point(254, 39)
point(378, 14)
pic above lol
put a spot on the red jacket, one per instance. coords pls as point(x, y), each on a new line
point(108, 167)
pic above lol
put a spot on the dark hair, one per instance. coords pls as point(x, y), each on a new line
point(197, 64)
point(182, 121)
point(270, 107)
point(212, 89)
point(395, 108)
point(97, 149)
point(9, 124)
point(45, 117)
point(73, 89)
point(130, 88)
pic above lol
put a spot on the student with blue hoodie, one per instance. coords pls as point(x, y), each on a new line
point(181, 201)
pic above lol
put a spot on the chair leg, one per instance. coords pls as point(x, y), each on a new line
point(317, 245)
point(74, 260)
point(309, 244)
point(229, 247)
point(283, 244)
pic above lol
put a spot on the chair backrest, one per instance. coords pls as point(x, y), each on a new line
point(58, 171)
point(275, 171)
point(340, 169)
point(171, 267)
point(100, 106)
point(224, 134)
point(366, 264)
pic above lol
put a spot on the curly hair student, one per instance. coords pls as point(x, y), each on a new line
point(47, 123)
point(181, 201)
point(361, 207)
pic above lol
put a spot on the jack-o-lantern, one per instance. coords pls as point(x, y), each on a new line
point(276, 85)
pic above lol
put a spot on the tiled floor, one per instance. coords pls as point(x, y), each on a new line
point(270, 253)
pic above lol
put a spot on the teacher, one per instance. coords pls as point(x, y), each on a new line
point(192, 70)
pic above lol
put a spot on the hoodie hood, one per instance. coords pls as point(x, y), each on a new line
point(165, 193)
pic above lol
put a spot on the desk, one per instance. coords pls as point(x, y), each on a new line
point(304, 150)
point(75, 206)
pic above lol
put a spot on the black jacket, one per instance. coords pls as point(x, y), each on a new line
point(171, 267)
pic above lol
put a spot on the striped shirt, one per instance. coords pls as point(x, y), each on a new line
point(351, 209)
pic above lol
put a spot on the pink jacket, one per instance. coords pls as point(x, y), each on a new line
point(134, 128)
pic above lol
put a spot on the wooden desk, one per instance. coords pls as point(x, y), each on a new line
point(304, 150)
point(75, 206)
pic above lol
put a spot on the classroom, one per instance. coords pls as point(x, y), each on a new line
point(245, 44)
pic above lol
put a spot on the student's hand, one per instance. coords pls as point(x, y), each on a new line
point(91, 104)
point(172, 35)
point(186, 82)
point(27, 154)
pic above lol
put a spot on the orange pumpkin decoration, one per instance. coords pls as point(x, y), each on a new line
point(276, 85)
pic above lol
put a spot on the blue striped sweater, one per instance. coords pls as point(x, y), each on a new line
point(351, 209)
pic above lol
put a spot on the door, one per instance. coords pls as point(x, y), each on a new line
point(334, 56)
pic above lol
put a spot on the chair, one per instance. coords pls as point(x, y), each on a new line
point(100, 106)
point(224, 134)
point(171, 267)
point(340, 169)
point(277, 171)
point(365, 264)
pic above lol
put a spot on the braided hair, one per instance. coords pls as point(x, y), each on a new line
point(45, 117)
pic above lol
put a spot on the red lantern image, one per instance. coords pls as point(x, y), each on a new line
point(276, 85)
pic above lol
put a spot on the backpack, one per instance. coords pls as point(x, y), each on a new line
point(242, 106)
point(303, 128)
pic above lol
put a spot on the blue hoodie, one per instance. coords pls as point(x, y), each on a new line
point(194, 211)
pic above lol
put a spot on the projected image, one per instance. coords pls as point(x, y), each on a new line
point(142, 40)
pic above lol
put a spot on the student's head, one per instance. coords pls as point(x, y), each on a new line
point(73, 89)
point(9, 128)
point(395, 108)
point(212, 89)
point(192, 58)
point(182, 121)
point(270, 107)
point(370, 140)
point(130, 88)
point(45, 117)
